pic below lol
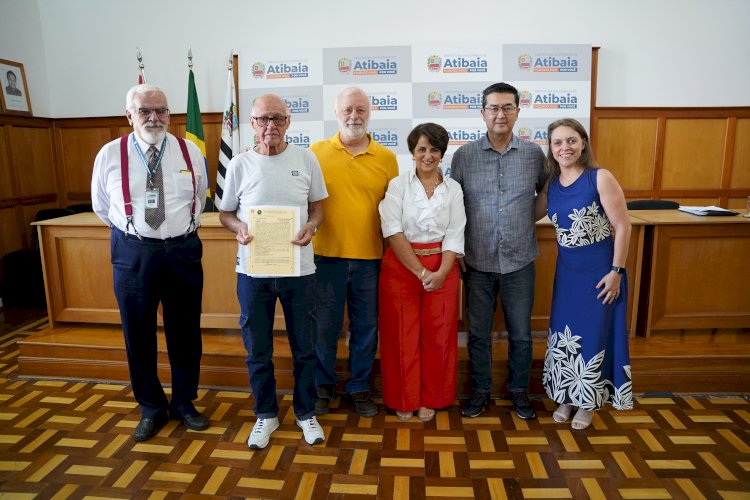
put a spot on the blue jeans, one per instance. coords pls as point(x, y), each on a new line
point(354, 282)
point(257, 298)
point(516, 291)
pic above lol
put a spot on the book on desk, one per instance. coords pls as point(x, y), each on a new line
point(710, 210)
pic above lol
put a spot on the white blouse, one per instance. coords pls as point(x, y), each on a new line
point(406, 209)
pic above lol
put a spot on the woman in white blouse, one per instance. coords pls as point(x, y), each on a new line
point(423, 219)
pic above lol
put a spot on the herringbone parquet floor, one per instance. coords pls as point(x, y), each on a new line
point(73, 440)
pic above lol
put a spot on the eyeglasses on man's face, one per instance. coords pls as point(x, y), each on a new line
point(349, 111)
point(262, 121)
point(146, 112)
point(507, 109)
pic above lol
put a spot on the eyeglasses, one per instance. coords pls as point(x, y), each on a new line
point(349, 111)
point(262, 121)
point(507, 109)
point(146, 112)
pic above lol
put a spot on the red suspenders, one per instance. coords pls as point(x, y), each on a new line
point(126, 182)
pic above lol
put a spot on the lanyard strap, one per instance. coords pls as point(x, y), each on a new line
point(143, 156)
point(126, 179)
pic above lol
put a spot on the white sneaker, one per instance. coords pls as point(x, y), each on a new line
point(261, 434)
point(312, 430)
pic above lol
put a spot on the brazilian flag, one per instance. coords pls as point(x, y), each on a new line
point(194, 126)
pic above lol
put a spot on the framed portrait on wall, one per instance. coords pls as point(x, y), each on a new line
point(14, 94)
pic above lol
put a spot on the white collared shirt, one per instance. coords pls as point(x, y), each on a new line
point(406, 209)
point(106, 187)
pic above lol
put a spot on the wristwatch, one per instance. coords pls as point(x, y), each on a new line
point(618, 269)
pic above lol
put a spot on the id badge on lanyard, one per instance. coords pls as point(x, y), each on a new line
point(152, 198)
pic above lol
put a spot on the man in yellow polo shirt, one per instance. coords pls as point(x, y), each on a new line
point(348, 248)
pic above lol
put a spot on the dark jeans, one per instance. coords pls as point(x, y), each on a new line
point(516, 291)
point(147, 272)
point(257, 298)
point(354, 282)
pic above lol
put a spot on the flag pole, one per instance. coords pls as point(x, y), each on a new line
point(142, 74)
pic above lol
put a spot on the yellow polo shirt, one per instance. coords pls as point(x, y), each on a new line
point(355, 184)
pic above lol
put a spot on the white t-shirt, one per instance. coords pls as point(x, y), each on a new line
point(292, 178)
point(406, 209)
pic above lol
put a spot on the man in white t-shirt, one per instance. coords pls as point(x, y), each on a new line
point(276, 173)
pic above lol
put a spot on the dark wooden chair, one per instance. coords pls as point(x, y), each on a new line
point(653, 205)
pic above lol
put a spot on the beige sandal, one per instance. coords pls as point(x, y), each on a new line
point(404, 415)
point(562, 414)
point(426, 414)
point(582, 419)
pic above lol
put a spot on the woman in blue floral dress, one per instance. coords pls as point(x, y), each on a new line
point(587, 362)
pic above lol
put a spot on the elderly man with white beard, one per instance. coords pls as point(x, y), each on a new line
point(348, 248)
point(150, 188)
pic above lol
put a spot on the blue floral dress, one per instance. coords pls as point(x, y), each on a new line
point(587, 362)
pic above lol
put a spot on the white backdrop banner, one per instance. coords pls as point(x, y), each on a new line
point(408, 85)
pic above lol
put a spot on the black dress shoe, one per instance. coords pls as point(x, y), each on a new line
point(195, 422)
point(148, 428)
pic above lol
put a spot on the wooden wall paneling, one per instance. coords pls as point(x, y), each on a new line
point(33, 160)
point(10, 236)
point(29, 213)
point(691, 201)
point(627, 147)
point(657, 171)
point(6, 179)
point(693, 153)
point(77, 149)
point(741, 205)
point(726, 167)
point(740, 178)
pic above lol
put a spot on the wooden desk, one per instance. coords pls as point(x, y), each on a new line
point(698, 271)
point(79, 286)
point(78, 272)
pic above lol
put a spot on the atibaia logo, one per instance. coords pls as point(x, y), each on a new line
point(461, 64)
point(554, 64)
point(525, 61)
point(259, 70)
point(525, 98)
point(434, 99)
point(298, 139)
point(434, 62)
point(293, 69)
point(345, 65)
point(555, 100)
point(459, 137)
point(524, 133)
point(297, 104)
point(383, 103)
point(387, 137)
point(373, 66)
point(462, 100)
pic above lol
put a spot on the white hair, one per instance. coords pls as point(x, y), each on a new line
point(347, 91)
point(143, 88)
